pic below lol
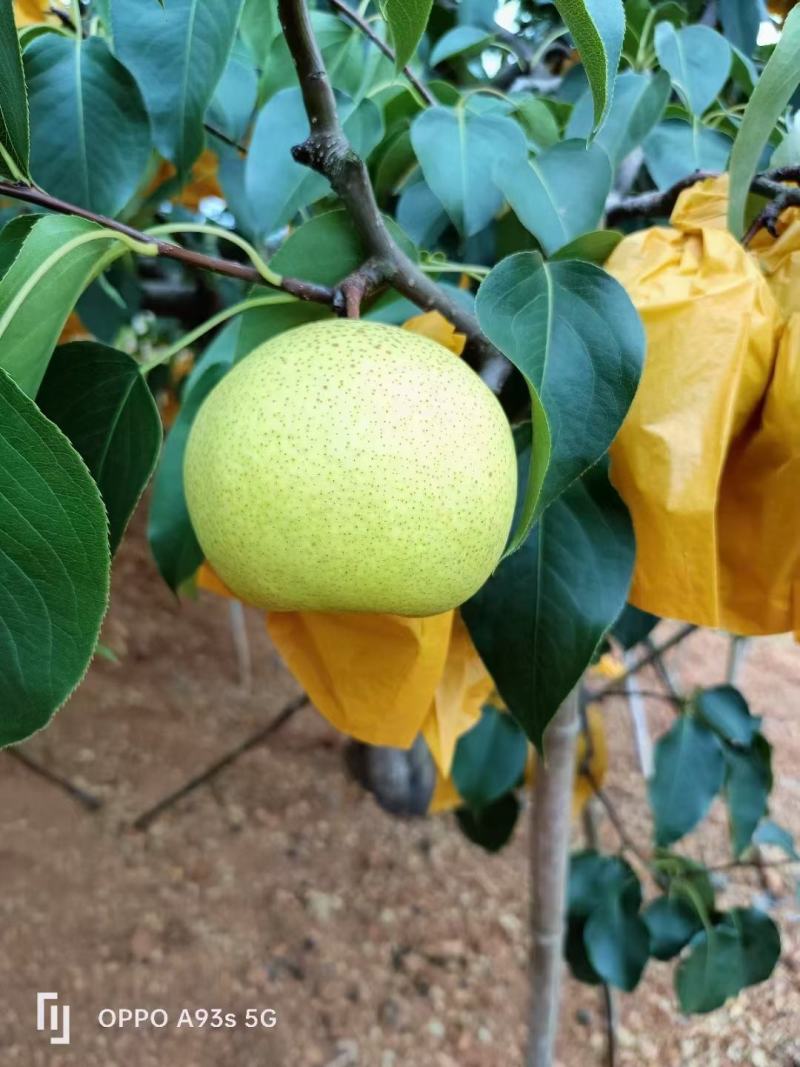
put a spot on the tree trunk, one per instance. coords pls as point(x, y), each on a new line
point(549, 850)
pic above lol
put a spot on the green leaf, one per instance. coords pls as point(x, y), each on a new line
point(407, 21)
point(538, 620)
point(617, 939)
point(593, 875)
point(574, 334)
point(99, 399)
point(489, 759)
point(632, 626)
point(173, 543)
point(725, 710)
point(327, 248)
point(538, 121)
point(769, 833)
point(420, 214)
point(54, 566)
point(603, 900)
point(688, 880)
point(698, 59)
point(598, 29)
point(773, 91)
point(741, 21)
point(638, 104)
point(593, 247)
point(759, 944)
point(748, 781)
point(739, 951)
point(12, 237)
point(490, 827)
point(90, 132)
point(689, 770)
point(575, 952)
point(231, 110)
point(177, 55)
point(559, 194)
point(14, 131)
point(463, 41)
point(58, 259)
point(457, 149)
point(707, 976)
point(676, 148)
point(672, 924)
point(350, 68)
point(277, 187)
point(259, 26)
point(397, 163)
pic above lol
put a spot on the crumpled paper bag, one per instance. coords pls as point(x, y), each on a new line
point(707, 458)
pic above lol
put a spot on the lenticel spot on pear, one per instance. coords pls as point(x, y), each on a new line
point(350, 466)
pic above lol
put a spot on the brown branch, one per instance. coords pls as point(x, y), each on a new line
point(327, 151)
point(320, 294)
point(367, 30)
point(648, 694)
point(143, 821)
point(644, 661)
point(88, 800)
point(660, 202)
point(754, 864)
point(231, 142)
point(656, 204)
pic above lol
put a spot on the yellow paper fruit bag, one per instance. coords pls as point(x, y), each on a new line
point(706, 460)
point(382, 679)
point(32, 12)
point(373, 677)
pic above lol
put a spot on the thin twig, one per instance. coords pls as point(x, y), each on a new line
point(612, 1023)
point(378, 41)
point(147, 818)
point(88, 800)
point(222, 136)
point(645, 660)
point(663, 671)
point(320, 294)
point(628, 844)
point(650, 694)
point(753, 864)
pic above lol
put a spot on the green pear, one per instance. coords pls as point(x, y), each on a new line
point(351, 466)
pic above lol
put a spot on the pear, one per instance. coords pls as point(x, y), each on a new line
point(350, 466)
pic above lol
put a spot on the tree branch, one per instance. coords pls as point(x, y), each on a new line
point(320, 294)
point(660, 202)
point(643, 661)
point(656, 204)
point(367, 30)
point(327, 151)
